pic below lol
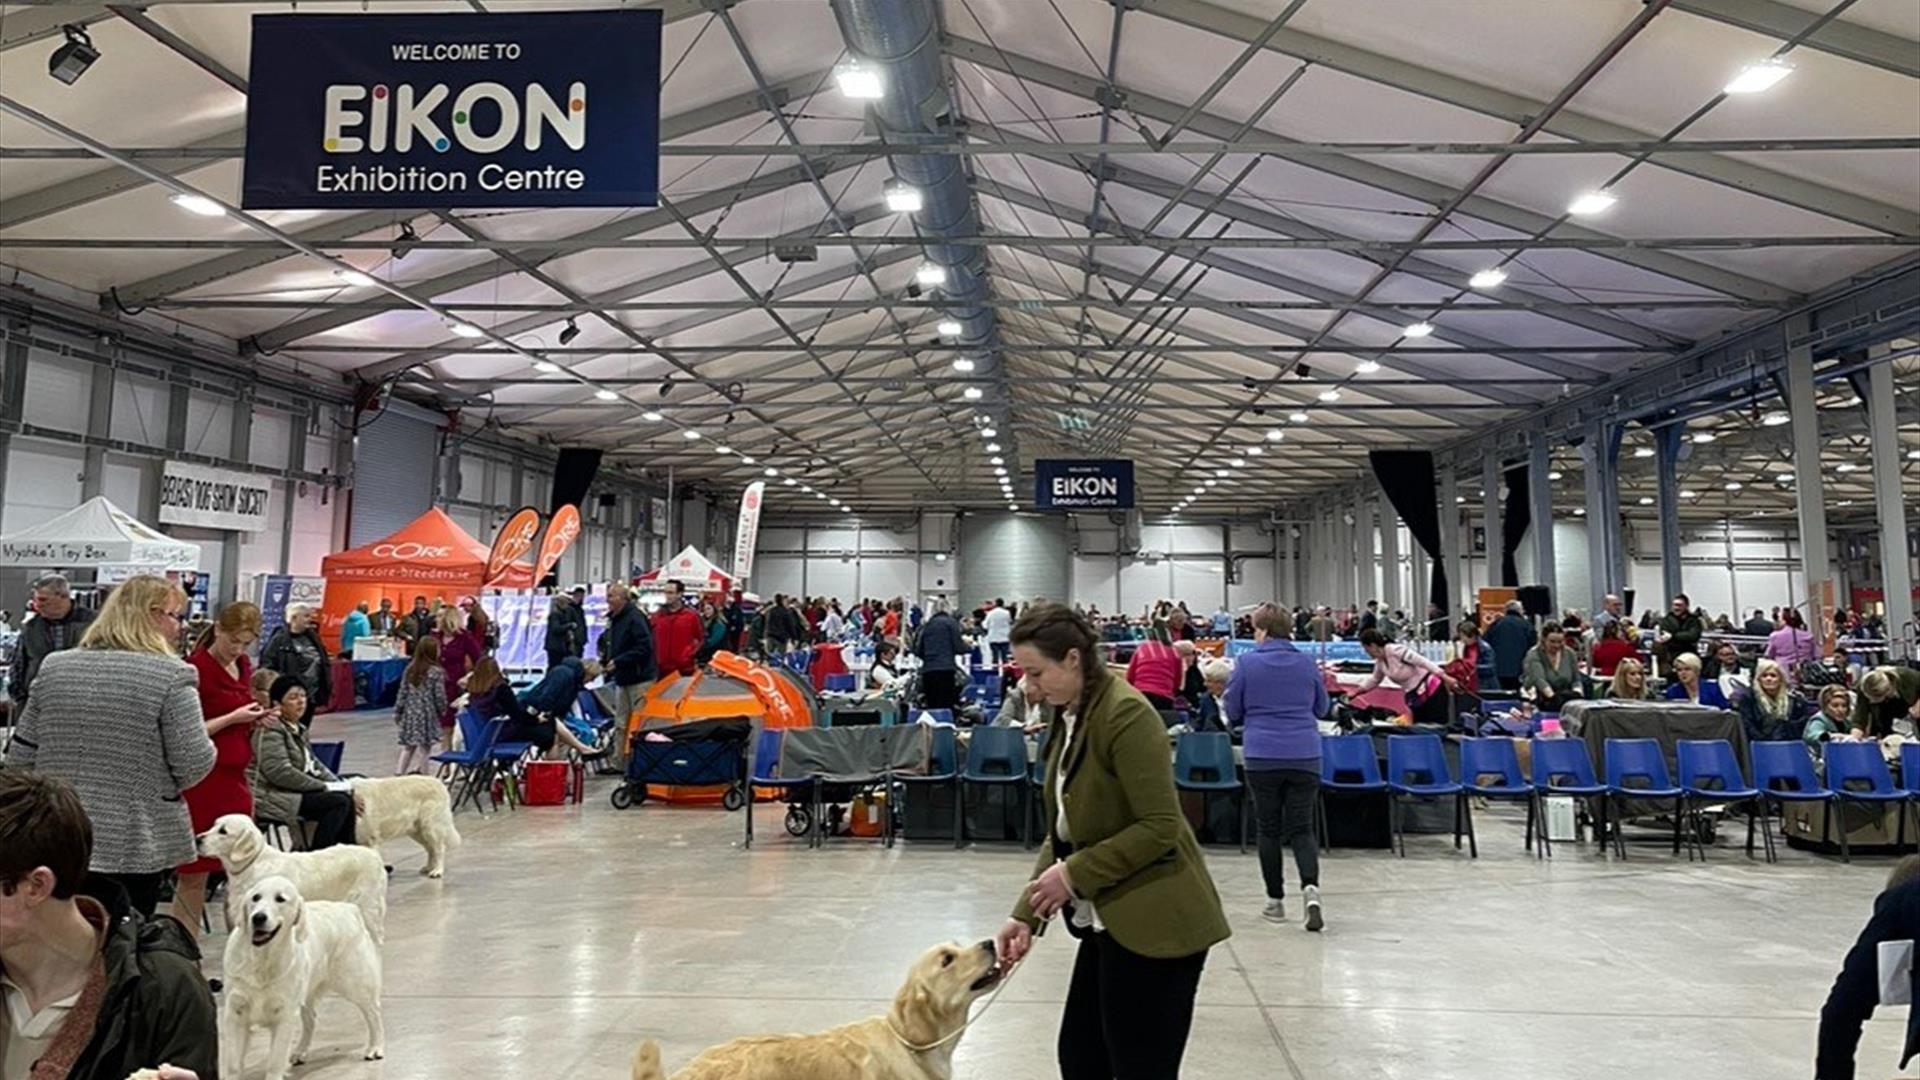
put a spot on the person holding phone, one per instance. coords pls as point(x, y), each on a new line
point(220, 662)
point(1119, 865)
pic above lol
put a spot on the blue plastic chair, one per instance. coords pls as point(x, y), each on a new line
point(1417, 769)
point(766, 774)
point(840, 684)
point(1710, 773)
point(329, 754)
point(1203, 761)
point(1637, 770)
point(1910, 769)
point(1347, 763)
point(472, 764)
point(997, 757)
point(1783, 773)
point(1490, 768)
point(1857, 772)
point(943, 769)
point(1561, 767)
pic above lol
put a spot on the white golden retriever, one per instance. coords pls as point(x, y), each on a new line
point(913, 1041)
point(347, 872)
point(285, 954)
point(407, 806)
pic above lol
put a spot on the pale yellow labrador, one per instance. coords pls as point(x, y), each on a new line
point(913, 1041)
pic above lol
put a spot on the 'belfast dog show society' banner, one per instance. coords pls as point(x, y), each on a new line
point(557, 108)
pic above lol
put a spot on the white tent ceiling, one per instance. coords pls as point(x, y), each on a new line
point(1178, 358)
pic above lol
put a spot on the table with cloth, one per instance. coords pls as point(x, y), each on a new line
point(1385, 696)
point(828, 659)
point(382, 680)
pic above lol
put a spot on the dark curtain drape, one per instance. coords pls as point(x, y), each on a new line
point(573, 474)
point(1407, 478)
point(1513, 524)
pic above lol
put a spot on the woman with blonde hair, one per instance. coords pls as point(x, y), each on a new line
point(1629, 682)
point(460, 647)
point(119, 718)
point(1771, 711)
point(219, 660)
point(1690, 687)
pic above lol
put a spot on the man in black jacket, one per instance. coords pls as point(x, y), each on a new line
point(937, 647)
point(628, 643)
point(1759, 625)
point(1680, 631)
point(563, 637)
point(56, 624)
point(137, 998)
point(1855, 993)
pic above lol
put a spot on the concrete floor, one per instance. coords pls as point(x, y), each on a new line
point(562, 936)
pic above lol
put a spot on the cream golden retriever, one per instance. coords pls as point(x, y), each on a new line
point(348, 872)
point(396, 807)
point(913, 1041)
point(280, 960)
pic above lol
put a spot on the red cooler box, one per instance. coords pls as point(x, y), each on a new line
point(546, 783)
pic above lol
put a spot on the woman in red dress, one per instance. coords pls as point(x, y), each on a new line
point(226, 700)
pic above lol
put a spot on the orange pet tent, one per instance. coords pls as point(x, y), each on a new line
point(431, 556)
point(731, 687)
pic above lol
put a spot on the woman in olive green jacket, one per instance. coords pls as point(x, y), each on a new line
point(1120, 864)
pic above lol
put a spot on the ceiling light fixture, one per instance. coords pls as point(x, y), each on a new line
point(962, 363)
point(1643, 451)
point(606, 395)
point(1756, 78)
point(70, 61)
point(971, 393)
point(930, 274)
point(846, 509)
point(1254, 451)
point(1420, 329)
point(996, 461)
point(1689, 493)
point(1704, 437)
point(948, 328)
point(1913, 455)
point(1776, 419)
point(1238, 463)
point(993, 448)
point(465, 329)
point(1556, 475)
point(789, 481)
point(1579, 511)
point(1490, 278)
point(859, 80)
point(1646, 500)
point(1329, 394)
point(569, 332)
point(1298, 418)
point(1366, 367)
point(1589, 203)
point(1733, 485)
point(547, 366)
point(771, 471)
point(1222, 473)
point(723, 450)
point(999, 472)
point(198, 204)
point(689, 434)
point(1275, 434)
point(1211, 482)
point(650, 416)
point(902, 197)
point(1845, 466)
point(988, 432)
point(354, 277)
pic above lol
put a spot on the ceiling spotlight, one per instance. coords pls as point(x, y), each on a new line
point(859, 80)
point(1238, 463)
point(650, 416)
point(999, 472)
point(808, 488)
point(1776, 419)
point(789, 481)
point(1275, 434)
point(902, 197)
point(1846, 466)
point(1579, 511)
point(1704, 437)
point(1012, 508)
point(1643, 451)
point(1417, 330)
point(354, 277)
point(971, 393)
point(1490, 278)
point(948, 328)
point(962, 363)
point(1555, 475)
point(404, 241)
point(606, 395)
point(746, 459)
point(666, 386)
point(569, 332)
point(996, 461)
point(1589, 203)
point(1646, 500)
point(1913, 455)
point(1211, 482)
point(1733, 485)
point(1755, 78)
point(846, 509)
point(771, 471)
point(1222, 473)
point(1689, 493)
point(198, 204)
point(723, 450)
point(70, 61)
point(1460, 500)
point(1199, 491)
point(547, 367)
point(988, 432)
point(1254, 451)
point(821, 495)
point(930, 274)
point(1366, 367)
point(1329, 394)
point(689, 434)
point(993, 448)
point(465, 329)
point(1298, 418)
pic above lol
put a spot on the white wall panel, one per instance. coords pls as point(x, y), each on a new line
point(1572, 568)
point(57, 391)
point(139, 410)
point(1096, 582)
point(1199, 582)
point(1256, 585)
point(1142, 585)
point(1017, 556)
point(209, 424)
point(778, 540)
point(1251, 538)
point(884, 576)
point(124, 482)
point(272, 435)
point(473, 476)
point(831, 577)
point(1194, 538)
point(314, 533)
point(776, 574)
point(831, 540)
point(260, 551)
point(889, 540)
point(43, 480)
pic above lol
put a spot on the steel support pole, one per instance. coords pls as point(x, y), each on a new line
point(1449, 549)
point(1804, 410)
point(93, 469)
point(1896, 554)
point(239, 448)
point(1540, 496)
point(1666, 463)
point(1490, 477)
point(1366, 568)
point(13, 395)
point(1390, 561)
point(1600, 454)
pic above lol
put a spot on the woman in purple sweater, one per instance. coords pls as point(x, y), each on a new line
point(1278, 694)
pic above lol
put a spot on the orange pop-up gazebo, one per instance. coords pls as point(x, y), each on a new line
point(432, 556)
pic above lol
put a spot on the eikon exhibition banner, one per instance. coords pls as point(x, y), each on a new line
point(437, 111)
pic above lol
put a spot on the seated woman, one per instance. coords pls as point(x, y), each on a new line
point(886, 666)
point(1629, 682)
point(290, 785)
point(1771, 711)
point(1211, 712)
point(1418, 677)
point(1889, 703)
point(490, 695)
point(1612, 648)
point(1689, 686)
point(1549, 671)
point(1834, 721)
point(1023, 707)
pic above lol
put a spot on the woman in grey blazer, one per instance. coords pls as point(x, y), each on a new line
point(119, 718)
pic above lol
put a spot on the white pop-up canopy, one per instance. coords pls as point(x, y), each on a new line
point(101, 536)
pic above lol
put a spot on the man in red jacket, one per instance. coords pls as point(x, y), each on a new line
point(677, 633)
